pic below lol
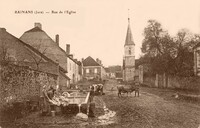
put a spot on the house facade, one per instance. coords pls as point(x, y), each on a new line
point(73, 66)
point(113, 71)
point(93, 70)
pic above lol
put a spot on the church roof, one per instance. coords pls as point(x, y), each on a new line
point(129, 37)
point(89, 61)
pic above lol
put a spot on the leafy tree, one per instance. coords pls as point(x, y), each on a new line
point(157, 46)
point(183, 61)
point(166, 54)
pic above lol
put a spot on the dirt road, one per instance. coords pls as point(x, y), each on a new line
point(151, 110)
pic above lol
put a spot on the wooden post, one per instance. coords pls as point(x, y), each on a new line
point(164, 80)
point(156, 81)
point(195, 62)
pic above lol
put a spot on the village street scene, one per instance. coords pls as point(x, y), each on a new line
point(100, 64)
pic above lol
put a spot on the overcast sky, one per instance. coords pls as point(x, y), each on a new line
point(98, 28)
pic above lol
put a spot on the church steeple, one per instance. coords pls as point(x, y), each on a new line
point(129, 56)
point(129, 37)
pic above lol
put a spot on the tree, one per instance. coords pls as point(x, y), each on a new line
point(157, 46)
point(166, 54)
point(183, 61)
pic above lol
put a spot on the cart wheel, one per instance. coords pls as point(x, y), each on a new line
point(91, 110)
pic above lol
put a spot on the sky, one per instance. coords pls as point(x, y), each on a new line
point(97, 28)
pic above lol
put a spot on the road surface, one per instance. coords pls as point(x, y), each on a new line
point(151, 110)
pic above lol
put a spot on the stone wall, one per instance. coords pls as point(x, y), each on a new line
point(149, 81)
point(164, 81)
point(21, 83)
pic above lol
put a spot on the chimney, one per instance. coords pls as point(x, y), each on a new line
point(39, 25)
point(71, 56)
point(97, 60)
point(68, 49)
point(57, 39)
point(2, 29)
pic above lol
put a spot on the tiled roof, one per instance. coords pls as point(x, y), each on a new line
point(89, 61)
point(5, 34)
point(37, 37)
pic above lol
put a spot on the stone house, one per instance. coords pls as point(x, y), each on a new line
point(40, 40)
point(93, 69)
point(19, 53)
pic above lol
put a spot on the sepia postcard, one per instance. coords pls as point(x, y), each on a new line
point(100, 64)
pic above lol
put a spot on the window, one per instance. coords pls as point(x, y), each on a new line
point(129, 51)
point(87, 71)
point(95, 70)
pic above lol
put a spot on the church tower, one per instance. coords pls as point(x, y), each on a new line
point(129, 56)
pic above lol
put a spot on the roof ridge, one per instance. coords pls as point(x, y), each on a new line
point(35, 29)
point(89, 61)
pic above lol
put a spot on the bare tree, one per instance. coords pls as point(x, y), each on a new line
point(37, 59)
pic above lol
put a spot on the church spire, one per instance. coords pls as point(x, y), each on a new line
point(129, 37)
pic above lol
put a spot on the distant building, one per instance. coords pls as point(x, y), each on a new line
point(93, 69)
point(129, 56)
point(39, 39)
point(114, 71)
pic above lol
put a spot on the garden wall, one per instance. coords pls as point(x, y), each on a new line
point(188, 83)
point(21, 83)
